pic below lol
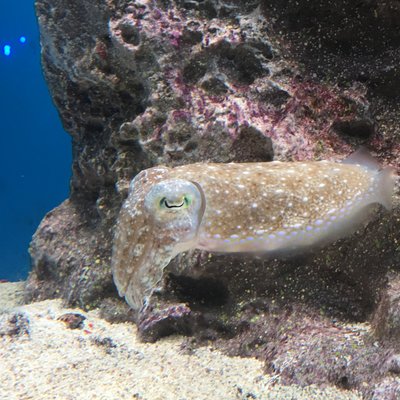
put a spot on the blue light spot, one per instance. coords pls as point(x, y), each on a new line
point(7, 50)
point(22, 39)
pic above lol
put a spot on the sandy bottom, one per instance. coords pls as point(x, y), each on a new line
point(107, 361)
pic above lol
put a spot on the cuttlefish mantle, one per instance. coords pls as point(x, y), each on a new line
point(248, 207)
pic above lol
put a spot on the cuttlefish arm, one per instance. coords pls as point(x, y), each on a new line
point(159, 219)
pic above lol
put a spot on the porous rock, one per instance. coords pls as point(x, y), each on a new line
point(386, 322)
point(146, 82)
point(14, 324)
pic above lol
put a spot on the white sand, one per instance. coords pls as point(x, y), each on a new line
point(54, 362)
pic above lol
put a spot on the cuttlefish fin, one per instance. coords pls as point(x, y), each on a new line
point(385, 177)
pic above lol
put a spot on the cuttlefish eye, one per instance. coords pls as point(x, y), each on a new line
point(183, 202)
point(174, 198)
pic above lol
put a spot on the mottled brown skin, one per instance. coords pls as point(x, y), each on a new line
point(256, 200)
point(252, 207)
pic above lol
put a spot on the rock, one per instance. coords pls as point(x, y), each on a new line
point(359, 128)
point(14, 324)
point(393, 364)
point(144, 83)
point(165, 322)
point(72, 320)
point(60, 266)
point(386, 319)
point(389, 389)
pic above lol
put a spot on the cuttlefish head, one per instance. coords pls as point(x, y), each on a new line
point(159, 219)
point(176, 207)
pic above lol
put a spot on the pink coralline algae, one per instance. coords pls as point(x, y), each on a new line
point(226, 81)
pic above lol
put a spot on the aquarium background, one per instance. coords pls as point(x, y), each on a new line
point(35, 151)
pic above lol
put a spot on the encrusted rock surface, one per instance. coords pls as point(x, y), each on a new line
point(139, 83)
point(14, 324)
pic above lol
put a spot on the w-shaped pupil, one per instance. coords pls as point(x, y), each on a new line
point(173, 205)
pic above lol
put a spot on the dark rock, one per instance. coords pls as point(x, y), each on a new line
point(72, 320)
point(14, 324)
point(356, 128)
point(105, 343)
point(116, 311)
point(164, 322)
point(251, 145)
point(389, 389)
point(393, 364)
point(344, 40)
point(203, 291)
point(190, 36)
point(195, 69)
point(130, 34)
point(208, 7)
point(214, 83)
point(245, 63)
point(272, 93)
point(60, 269)
point(386, 319)
point(385, 80)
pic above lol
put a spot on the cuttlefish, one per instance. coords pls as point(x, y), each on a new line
point(239, 207)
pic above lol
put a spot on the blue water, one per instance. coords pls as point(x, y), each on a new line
point(35, 152)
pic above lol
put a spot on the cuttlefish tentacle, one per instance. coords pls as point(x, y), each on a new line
point(133, 251)
point(145, 279)
point(253, 207)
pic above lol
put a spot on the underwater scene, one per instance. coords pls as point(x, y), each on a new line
point(200, 199)
point(35, 150)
